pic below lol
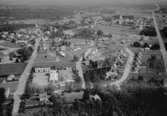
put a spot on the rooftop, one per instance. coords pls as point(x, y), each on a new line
point(50, 59)
point(12, 68)
point(60, 64)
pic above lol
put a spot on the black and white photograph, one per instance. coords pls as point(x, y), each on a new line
point(83, 57)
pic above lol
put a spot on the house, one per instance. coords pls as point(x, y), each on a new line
point(69, 33)
point(53, 76)
point(21, 42)
point(42, 69)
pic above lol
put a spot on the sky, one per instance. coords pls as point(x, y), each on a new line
point(75, 2)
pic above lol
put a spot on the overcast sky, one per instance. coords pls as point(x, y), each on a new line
point(75, 2)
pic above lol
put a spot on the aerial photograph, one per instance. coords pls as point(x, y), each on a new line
point(83, 57)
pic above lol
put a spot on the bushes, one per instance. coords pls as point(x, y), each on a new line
point(139, 101)
point(32, 88)
point(14, 27)
point(149, 31)
point(137, 44)
point(164, 32)
point(155, 47)
point(25, 53)
point(86, 33)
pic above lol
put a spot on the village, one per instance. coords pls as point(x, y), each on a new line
point(84, 52)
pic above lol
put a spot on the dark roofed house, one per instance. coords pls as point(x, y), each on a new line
point(57, 65)
point(11, 69)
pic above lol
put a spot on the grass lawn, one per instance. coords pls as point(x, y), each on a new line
point(40, 79)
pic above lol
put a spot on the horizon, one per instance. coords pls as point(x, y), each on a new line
point(79, 2)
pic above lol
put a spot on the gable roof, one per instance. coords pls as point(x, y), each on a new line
point(54, 64)
point(12, 68)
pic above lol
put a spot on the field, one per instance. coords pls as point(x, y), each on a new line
point(40, 79)
point(115, 29)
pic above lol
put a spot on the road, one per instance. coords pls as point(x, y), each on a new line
point(80, 71)
point(126, 70)
point(161, 42)
point(23, 79)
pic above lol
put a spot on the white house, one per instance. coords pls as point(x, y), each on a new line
point(68, 32)
point(42, 70)
point(53, 75)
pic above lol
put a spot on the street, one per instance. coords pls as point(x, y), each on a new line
point(80, 71)
point(127, 69)
point(23, 79)
point(161, 42)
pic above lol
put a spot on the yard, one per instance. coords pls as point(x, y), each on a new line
point(40, 79)
point(11, 85)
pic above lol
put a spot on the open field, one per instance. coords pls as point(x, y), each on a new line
point(40, 79)
point(115, 29)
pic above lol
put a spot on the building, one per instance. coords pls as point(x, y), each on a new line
point(42, 70)
point(69, 33)
point(53, 76)
point(11, 69)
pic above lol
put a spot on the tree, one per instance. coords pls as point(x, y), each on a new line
point(57, 103)
point(75, 58)
point(164, 32)
point(11, 55)
point(151, 61)
point(146, 45)
point(149, 31)
point(100, 33)
point(25, 96)
point(2, 99)
point(59, 32)
point(140, 78)
point(13, 41)
point(86, 33)
point(136, 44)
point(155, 46)
point(25, 53)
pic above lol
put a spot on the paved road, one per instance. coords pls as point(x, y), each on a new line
point(127, 69)
point(23, 79)
point(161, 42)
point(80, 71)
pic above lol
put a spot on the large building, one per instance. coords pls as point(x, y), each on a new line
point(11, 69)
